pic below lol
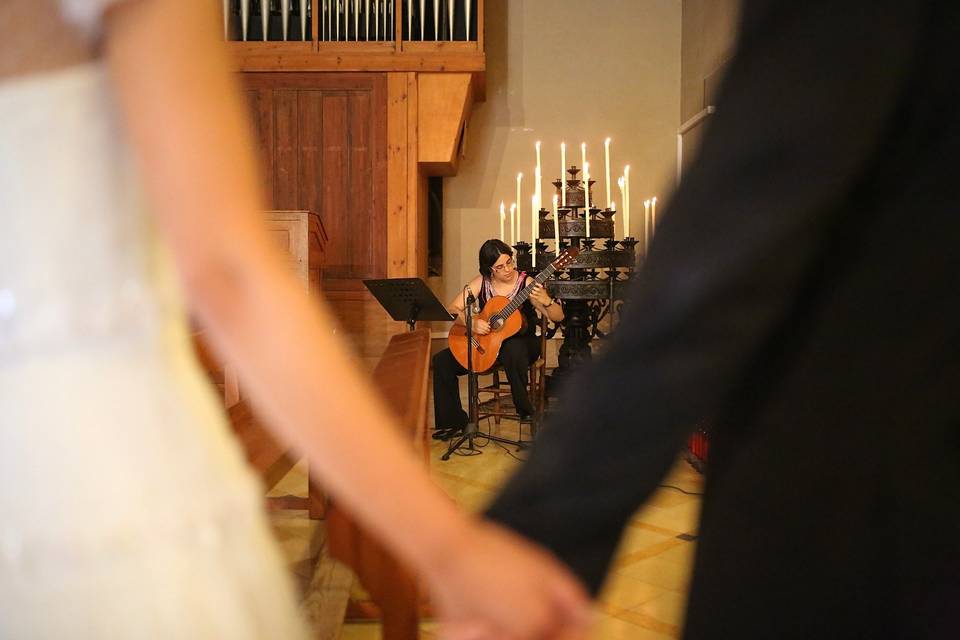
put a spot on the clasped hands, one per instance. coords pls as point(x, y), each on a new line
point(495, 585)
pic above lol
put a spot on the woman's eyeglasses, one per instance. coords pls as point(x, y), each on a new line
point(506, 265)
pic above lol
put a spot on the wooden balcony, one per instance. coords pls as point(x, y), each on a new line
point(410, 43)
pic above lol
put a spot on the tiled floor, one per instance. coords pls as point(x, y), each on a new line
point(646, 592)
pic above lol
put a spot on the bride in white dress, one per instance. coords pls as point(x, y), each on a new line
point(126, 509)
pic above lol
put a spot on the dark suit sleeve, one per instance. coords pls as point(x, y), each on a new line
point(812, 97)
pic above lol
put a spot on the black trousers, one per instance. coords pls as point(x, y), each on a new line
point(516, 355)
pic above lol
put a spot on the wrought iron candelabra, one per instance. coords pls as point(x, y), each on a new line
point(594, 286)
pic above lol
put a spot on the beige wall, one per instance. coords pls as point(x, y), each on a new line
point(571, 71)
point(709, 31)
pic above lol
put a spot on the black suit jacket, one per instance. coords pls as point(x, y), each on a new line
point(803, 290)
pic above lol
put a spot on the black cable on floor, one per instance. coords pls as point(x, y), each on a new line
point(689, 493)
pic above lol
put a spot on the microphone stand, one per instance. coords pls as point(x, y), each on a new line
point(471, 428)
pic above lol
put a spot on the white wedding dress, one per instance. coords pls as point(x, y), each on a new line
point(126, 508)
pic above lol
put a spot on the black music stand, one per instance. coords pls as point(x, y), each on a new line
point(408, 300)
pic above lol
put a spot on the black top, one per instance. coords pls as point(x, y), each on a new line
point(803, 290)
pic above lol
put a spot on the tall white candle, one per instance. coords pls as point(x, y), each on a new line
point(613, 215)
point(606, 161)
point(583, 156)
point(563, 173)
point(626, 228)
point(539, 175)
point(534, 208)
point(626, 200)
point(503, 216)
point(556, 227)
point(646, 224)
point(513, 216)
point(586, 195)
point(519, 180)
point(653, 215)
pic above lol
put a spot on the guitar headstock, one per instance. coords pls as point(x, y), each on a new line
point(569, 255)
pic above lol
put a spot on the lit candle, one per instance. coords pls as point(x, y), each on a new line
point(519, 179)
point(626, 200)
point(646, 224)
point(534, 207)
point(626, 228)
point(503, 216)
point(513, 211)
point(606, 160)
point(539, 174)
point(537, 187)
point(653, 215)
point(556, 226)
point(563, 173)
point(586, 196)
point(583, 156)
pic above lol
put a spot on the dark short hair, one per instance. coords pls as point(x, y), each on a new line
point(490, 252)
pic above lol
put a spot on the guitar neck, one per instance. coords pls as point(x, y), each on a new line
point(524, 293)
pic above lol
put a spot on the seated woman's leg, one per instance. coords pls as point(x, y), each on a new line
point(448, 412)
point(515, 358)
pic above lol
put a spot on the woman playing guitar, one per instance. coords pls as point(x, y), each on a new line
point(498, 277)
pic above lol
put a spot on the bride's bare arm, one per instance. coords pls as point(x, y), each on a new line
point(186, 122)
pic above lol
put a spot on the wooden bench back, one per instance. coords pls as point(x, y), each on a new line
point(401, 376)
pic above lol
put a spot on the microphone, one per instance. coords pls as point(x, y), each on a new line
point(470, 297)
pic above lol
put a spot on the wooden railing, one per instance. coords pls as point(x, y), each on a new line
point(356, 35)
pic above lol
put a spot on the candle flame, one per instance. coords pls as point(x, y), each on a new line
point(613, 205)
point(607, 141)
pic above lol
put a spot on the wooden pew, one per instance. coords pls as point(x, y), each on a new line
point(302, 235)
point(401, 376)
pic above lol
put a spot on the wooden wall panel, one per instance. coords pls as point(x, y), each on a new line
point(261, 110)
point(336, 197)
point(311, 153)
point(360, 183)
point(286, 151)
point(397, 167)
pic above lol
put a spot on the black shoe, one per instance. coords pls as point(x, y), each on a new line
point(446, 433)
point(525, 417)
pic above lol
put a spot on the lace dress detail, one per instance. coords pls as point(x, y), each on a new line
point(86, 14)
point(128, 510)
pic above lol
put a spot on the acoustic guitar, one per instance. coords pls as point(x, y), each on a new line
point(504, 317)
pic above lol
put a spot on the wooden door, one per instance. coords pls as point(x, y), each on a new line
point(322, 139)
